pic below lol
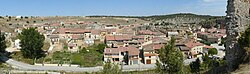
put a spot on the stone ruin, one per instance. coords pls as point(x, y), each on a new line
point(238, 17)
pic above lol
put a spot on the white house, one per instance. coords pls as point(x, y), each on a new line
point(17, 44)
point(196, 48)
point(170, 34)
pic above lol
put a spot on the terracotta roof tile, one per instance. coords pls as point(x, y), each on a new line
point(146, 32)
point(131, 50)
point(209, 47)
point(118, 37)
point(150, 54)
point(193, 43)
point(158, 46)
point(70, 30)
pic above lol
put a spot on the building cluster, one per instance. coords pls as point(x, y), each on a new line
point(130, 44)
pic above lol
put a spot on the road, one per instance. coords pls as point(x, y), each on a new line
point(24, 66)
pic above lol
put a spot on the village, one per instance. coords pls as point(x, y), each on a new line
point(132, 42)
point(125, 37)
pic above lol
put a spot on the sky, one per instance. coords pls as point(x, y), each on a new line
point(110, 7)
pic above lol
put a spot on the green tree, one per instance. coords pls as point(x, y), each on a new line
point(101, 47)
point(110, 68)
point(171, 59)
point(27, 22)
point(2, 43)
point(206, 61)
point(31, 42)
point(195, 66)
point(244, 40)
point(214, 64)
point(126, 58)
point(212, 51)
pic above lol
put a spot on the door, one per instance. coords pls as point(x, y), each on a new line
point(148, 61)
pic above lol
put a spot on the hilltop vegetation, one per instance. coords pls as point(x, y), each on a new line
point(185, 19)
point(183, 15)
point(170, 16)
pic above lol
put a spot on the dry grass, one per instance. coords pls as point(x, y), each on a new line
point(19, 57)
point(46, 45)
point(244, 69)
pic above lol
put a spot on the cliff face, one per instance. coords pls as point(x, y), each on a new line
point(238, 17)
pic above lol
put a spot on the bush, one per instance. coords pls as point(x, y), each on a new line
point(65, 47)
point(212, 51)
point(77, 59)
point(205, 42)
point(90, 58)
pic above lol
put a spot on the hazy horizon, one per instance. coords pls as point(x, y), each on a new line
point(111, 7)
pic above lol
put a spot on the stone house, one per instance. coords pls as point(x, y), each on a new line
point(196, 48)
point(120, 55)
point(54, 39)
point(117, 40)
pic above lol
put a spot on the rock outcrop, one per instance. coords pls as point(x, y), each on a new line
point(238, 17)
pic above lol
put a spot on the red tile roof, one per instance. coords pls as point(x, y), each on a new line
point(219, 35)
point(95, 32)
point(209, 47)
point(118, 37)
point(131, 50)
point(159, 40)
point(141, 41)
point(71, 45)
point(148, 47)
point(193, 43)
point(108, 30)
point(158, 46)
point(70, 30)
point(146, 32)
point(150, 54)
point(76, 36)
point(222, 31)
point(139, 37)
point(212, 30)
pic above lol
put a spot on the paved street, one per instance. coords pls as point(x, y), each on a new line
point(24, 66)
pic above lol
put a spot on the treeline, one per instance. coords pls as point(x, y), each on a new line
point(161, 17)
point(188, 15)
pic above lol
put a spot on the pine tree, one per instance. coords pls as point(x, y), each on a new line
point(171, 59)
point(31, 42)
point(110, 68)
point(2, 43)
point(195, 66)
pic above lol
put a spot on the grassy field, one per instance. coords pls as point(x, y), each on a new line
point(86, 57)
point(18, 56)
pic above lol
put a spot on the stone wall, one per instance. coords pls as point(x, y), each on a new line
point(238, 17)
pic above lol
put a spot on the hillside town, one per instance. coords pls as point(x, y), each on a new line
point(129, 39)
point(141, 42)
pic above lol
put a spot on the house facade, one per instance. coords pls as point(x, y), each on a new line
point(122, 55)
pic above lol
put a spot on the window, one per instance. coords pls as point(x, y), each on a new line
point(122, 53)
point(116, 59)
point(149, 56)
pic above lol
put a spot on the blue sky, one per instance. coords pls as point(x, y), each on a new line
point(110, 7)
